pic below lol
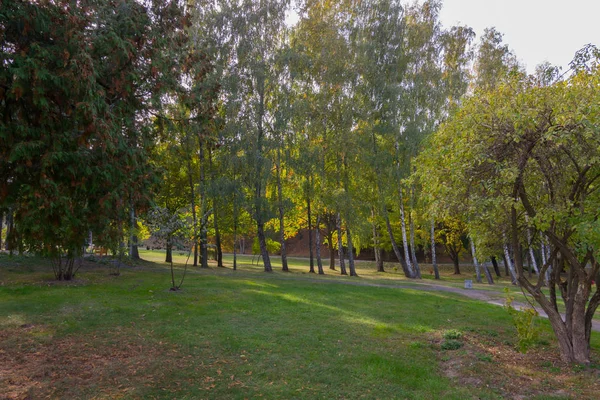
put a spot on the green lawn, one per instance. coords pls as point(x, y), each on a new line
point(246, 334)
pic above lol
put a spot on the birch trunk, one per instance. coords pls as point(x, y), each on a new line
point(395, 247)
point(376, 248)
point(203, 234)
point(310, 243)
point(413, 253)
point(340, 245)
point(284, 263)
point(404, 238)
point(350, 253)
point(530, 249)
point(475, 262)
point(433, 252)
point(509, 264)
point(194, 217)
point(318, 246)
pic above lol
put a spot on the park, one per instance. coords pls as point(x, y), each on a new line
point(295, 199)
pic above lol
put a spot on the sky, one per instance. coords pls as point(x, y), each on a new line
point(536, 30)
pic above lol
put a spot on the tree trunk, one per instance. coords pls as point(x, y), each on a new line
point(508, 262)
point(217, 235)
point(235, 229)
point(475, 262)
point(284, 263)
point(530, 249)
point(310, 243)
point(404, 238)
point(263, 247)
point(8, 242)
point(350, 253)
point(1, 226)
point(258, 193)
point(133, 240)
point(413, 254)
point(318, 246)
point(203, 234)
point(395, 247)
point(436, 270)
point(455, 261)
point(495, 264)
point(194, 217)
point(340, 245)
point(169, 256)
point(376, 248)
point(331, 250)
point(545, 257)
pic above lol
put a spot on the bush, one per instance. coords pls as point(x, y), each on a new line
point(452, 334)
point(451, 344)
point(524, 322)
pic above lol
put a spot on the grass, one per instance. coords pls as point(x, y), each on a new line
point(245, 334)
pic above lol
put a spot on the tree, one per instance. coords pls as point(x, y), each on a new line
point(78, 85)
point(501, 156)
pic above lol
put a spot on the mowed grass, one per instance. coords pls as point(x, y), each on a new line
point(246, 334)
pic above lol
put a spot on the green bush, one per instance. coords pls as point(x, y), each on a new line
point(524, 322)
point(452, 334)
point(451, 344)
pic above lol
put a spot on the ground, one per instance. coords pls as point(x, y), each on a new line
point(247, 334)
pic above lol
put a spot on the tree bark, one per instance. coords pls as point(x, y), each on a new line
point(263, 246)
point(284, 263)
point(217, 235)
point(203, 234)
point(331, 250)
point(194, 217)
point(475, 262)
point(530, 249)
point(9, 241)
point(1, 226)
point(436, 270)
point(509, 264)
point(258, 192)
point(310, 242)
point(495, 264)
point(169, 256)
point(133, 240)
point(395, 247)
point(340, 245)
point(376, 248)
point(413, 253)
point(350, 253)
point(318, 246)
point(404, 237)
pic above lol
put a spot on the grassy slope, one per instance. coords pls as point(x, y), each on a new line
point(245, 334)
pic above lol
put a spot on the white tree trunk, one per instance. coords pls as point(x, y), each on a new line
point(477, 268)
point(511, 267)
point(404, 238)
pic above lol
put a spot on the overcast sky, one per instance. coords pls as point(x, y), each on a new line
point(536, 30)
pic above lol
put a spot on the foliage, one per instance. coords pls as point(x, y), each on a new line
point(451, 344)
point(78, 83)
point(452, 334)
point(495, 164)
point(524, 321)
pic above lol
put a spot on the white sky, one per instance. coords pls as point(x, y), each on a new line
point(536, 30)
